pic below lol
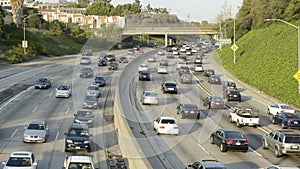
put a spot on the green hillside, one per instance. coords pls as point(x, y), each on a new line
point(267, 59)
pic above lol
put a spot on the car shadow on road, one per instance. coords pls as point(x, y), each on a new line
point(243, 164)
point(165, 101)
point(254, 140)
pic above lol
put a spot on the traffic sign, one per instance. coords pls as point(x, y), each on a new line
point(297, 76)
point(224, 41)
point(234, 47)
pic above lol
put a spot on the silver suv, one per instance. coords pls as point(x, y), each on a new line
point(282, 142)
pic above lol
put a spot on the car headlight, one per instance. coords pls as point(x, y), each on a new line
point(70, 141)
point(25, 135)
point(76, 120)
point(85, 103)
point(86, 142)
point(90, 121)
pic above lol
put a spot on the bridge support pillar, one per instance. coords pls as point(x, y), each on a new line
point(166, 39)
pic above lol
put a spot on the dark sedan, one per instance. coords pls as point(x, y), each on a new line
point(169, 87)
point(83, 116)
point(123, 59)
point(208, 72)
point(213, 102)
point(228, 139)
point(287, 120)
point(144, 75)
point(86, 72)
point(214, 79)
point(188, 110)
point(102, 62)
point(100, 81)
point(113, 66)
point(42, 83)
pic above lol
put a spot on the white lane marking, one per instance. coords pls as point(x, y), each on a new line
point(68, 110)
point(13, 134)
point(13, 98)
point(56, 137)
point(51, 93)
point(262, 129)
point(34, 109)
point(255, 152)
point(203, 148)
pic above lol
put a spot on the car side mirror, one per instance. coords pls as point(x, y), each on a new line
point(65, 133)
point(25, 128)
point(3, 163)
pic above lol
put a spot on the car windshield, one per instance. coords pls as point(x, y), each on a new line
point(216, 99)
point(84, 114)
point(144, 73)
point(36, 127)
point(86, 69)
point(191, 107)
point(93, 88)
point(168, 121)
point(85, 58)
point(151, 94)
point(74, 165)
point(78, 132)
point(170, 84)
point(91, 98)
point(231, 84)
point(292, 139)
point(234, 92)
point(19, 162)
point(234, 135)
point(42, 80)
point(286, 107)
point(63, 88)
point(99, 78)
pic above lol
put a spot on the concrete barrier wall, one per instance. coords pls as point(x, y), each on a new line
point(129, 147)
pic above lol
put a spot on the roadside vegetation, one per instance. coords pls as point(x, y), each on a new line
point(267, 59)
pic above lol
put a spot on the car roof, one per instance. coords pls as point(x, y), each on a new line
point(212, 163)
point(79, 126)
point(84, 159)
point(230, 130)
point(21, 154)
point(166, 117)
point(37, 122)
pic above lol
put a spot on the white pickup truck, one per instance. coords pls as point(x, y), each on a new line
point(244, 117)
point(82, 162)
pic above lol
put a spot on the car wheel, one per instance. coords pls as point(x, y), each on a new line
point(223, 148)
point(276, 152)
point(283, 125)
point(238, 124)
point(89, 150)
point(156, 132)
point(269, 112)
point(273, 121)
point(198, 116)
point(264, 144)
point(212, 141)
point(230, 119)
point(182, 116)
point(208, 105)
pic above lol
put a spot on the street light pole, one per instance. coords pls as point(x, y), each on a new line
point(298, 28)
point(24, 42)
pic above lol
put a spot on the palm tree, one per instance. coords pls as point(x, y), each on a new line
point(17, 11)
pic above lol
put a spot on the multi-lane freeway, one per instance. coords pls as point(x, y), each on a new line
point(121, 96)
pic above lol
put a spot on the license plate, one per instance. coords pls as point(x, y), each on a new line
point(77, 147)
point(234, 95)
point(170, 89)
point(295, 147)
point(238, 143)
point(295, 122)
point(192, 112)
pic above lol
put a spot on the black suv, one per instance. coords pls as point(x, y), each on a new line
point(144, 75)
point(110, 57)
point(78, 138)
point(42, 83)
point(100, 81)
point(206, 164)
point(232, 95)
point(86, 72)
point(189, 110)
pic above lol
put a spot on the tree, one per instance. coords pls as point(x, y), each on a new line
point(100, 9)
point(2, 15)
point(292, 11)
point(17, 11)
point(56, 28)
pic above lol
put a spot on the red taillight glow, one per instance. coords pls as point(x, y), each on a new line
point(229, 142)
point(175, 127)
point(282, 147)
point(246, 142)
point(161, 127)
point(289, 122)
point(176, 88)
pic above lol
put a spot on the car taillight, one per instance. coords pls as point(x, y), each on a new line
point(229, 142)
point(165, 88)
point(289, 122)
point(282, 147)
point(246, 142)
point(176, 88)
point(294, 111)
point(175, 127)
point(186, 111)
point(162, 127)
point(212, 102)
point(258, 121)
point(282, 111)
point(242, 120)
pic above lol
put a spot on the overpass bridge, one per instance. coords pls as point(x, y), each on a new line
point(169, 31)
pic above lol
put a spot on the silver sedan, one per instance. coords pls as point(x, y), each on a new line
point(149, 97)
point(36, 131)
